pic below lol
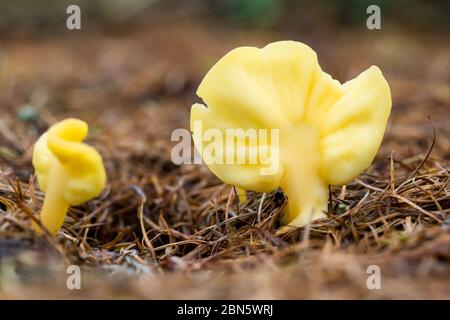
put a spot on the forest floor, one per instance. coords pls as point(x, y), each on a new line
point(165, 231)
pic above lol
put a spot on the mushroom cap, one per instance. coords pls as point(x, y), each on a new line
point(282, 86)
point(83, 175)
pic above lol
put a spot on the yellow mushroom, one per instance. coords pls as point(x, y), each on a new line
point(68, 171)
point(328, 132)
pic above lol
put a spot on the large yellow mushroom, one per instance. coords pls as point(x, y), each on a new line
point(68, 171)
point(328, 132)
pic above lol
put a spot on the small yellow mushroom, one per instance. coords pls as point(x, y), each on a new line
point(68, 171)
point(328, 132)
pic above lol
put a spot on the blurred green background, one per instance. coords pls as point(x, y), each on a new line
point(45, 15)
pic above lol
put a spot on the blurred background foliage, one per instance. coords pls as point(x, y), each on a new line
point(45, 15)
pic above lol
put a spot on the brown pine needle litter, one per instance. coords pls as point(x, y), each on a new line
point(165, 231)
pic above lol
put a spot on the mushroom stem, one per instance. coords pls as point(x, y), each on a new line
point(307, 192)
point(55, 206)
point(241, 194)
point(307, 201)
